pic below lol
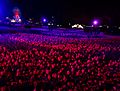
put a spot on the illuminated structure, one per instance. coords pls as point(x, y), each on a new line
point(16, 17)
point(78, 26)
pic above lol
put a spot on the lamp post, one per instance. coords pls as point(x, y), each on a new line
point(96, 24)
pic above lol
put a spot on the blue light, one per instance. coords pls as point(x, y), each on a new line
point(5, 8)
point(44, 20)
point(1, 8)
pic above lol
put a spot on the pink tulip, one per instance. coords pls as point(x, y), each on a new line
point(68, 72)
point(83, 70)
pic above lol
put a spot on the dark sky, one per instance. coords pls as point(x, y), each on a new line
point(66, 8)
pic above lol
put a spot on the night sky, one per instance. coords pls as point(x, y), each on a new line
point(74, 9)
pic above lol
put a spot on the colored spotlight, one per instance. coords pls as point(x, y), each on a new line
point(44, 20)
point(95, 22)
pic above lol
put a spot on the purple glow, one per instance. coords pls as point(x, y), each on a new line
point(95, 22)
point(44, 20)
